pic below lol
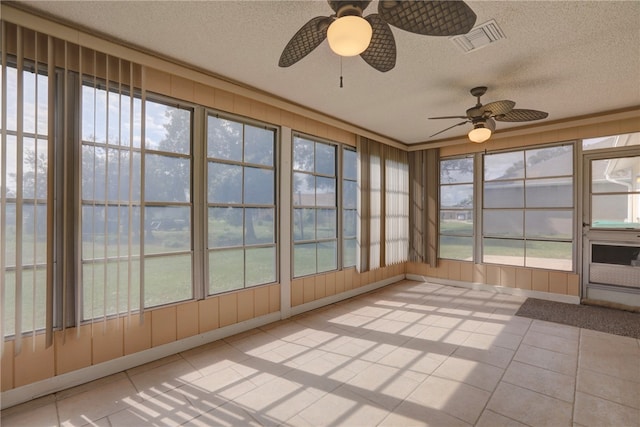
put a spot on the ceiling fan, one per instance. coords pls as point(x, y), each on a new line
point(350, 34)
point(483, 116)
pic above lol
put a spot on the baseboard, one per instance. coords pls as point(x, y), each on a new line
point(90, 373)
point(570, 299)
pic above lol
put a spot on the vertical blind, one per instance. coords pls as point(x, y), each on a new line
point(47, 85)
point(396, 194)
point(26, 214)
point(383, 191)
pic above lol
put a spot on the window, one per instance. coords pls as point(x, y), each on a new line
point(528, 208)
point(614, 141)
point(315, 205)
point(241, 198)
point(23, 186)
point(349, 206)
point(456, 209)
point(136, 202)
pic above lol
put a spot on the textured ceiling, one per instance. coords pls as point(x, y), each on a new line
point(569, 58)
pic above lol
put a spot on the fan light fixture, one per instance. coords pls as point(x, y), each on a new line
point(349, 35)
point(480, 133)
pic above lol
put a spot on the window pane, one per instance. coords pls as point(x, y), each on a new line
point(258, 145)
point(504, 166)
point(326, 223)
point(167, 279)
point(304, 259)
point(504, 194)
point(224, 139)
point(458, 222)
point(304, 189)
point(93, 231)
point(167, 179)
point(456, 196)
point(550, 161)
point(29, 277)
point(258, 186)
point(93, 173)
point(349, 194)
point(550, 255)
point(456, 171)
point(325, 191)
point(225, 227)
point(167, 229)
point(303, 155)
point(261, 265)
point(118, 297)
point(34, 234)
point(327, 256)
point(259, 226)
point(503, 223)
point(549, 193)
point(34, 172)
point(456, 248)
point(225, 183)
point(325, 159)
point(624, 140)
point(11, 162)
point(304, 224)
point(226, 270)
point(350, 164)
point(167, 128)
point(349, 223)
point(549, 224)
point(617, 175)
point(503, 251)
point(615, 211)
point(349, 251)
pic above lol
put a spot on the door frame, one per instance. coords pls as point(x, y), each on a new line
point(624, 237)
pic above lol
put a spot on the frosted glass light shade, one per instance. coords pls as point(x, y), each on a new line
point(479, 134)
point(349, 35)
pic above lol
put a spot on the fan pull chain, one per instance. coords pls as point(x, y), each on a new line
point(341, 72)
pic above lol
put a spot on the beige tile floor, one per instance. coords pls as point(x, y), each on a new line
point(409, 354)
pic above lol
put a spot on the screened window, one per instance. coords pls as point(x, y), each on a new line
point(136, 202)
point(23, 186)
point(456, 209)
point(315, 207)
point(241, 183)
point(528, 208)
point(349, 206)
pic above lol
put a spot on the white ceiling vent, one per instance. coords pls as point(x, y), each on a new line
point(479, 37)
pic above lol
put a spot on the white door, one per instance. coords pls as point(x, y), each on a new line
point(611, 227)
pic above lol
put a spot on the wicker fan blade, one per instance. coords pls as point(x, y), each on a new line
point(521, 115)
point(336, 5)
point(450, 127)
point(305, 40)
point(430, 18)
point(448, 117)
point(497, 108)
point(381, 53)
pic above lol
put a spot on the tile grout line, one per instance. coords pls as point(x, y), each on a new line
point(500, 380)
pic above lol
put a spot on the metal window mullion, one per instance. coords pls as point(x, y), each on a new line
point(199, 210)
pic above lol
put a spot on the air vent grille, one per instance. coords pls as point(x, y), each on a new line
point(479, 37)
